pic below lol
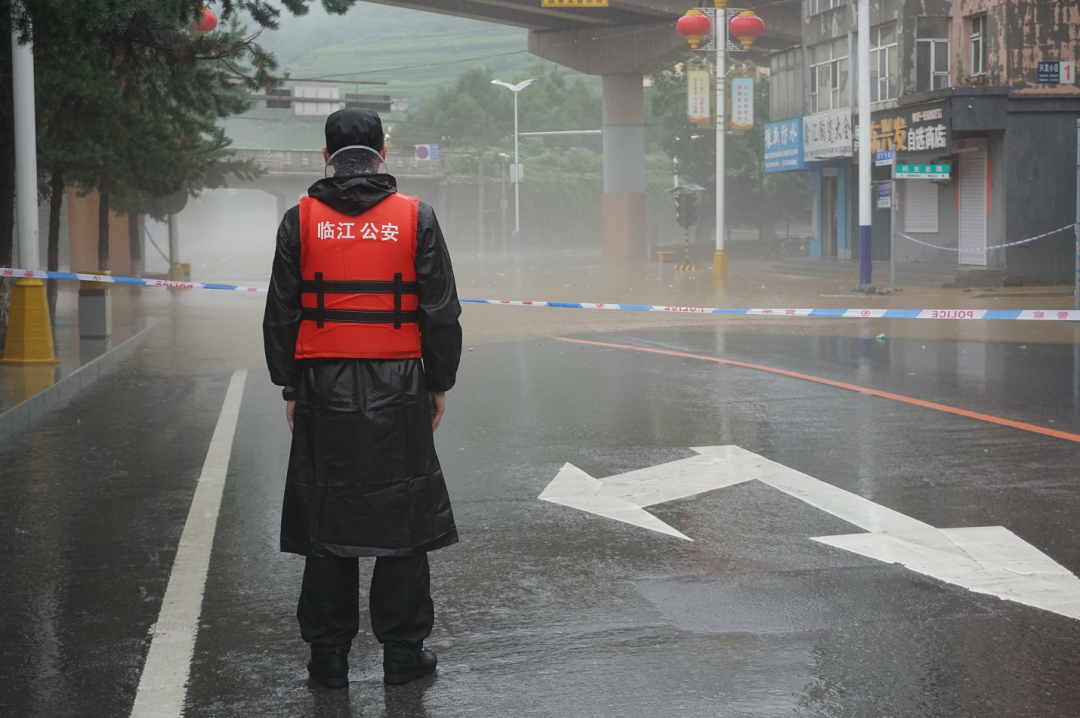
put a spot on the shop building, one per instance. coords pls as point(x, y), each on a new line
point(983, 87)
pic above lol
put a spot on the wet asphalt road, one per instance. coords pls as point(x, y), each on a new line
point(545, 610)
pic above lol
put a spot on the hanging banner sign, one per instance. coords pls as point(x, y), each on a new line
point(827, 135)
point(742, 103)
point(784, 145)
point(573, 3)
point(697, 96)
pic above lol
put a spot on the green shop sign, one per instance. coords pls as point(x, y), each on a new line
point(934, 171)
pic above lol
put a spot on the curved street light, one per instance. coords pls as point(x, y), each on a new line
point(517, 166)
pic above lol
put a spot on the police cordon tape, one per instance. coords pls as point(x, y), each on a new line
point(985, 249)
point(1060, 315)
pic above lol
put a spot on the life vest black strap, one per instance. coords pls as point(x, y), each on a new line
point(320, 312)
point(362, 316)
point(363, 286)
point(397, 300)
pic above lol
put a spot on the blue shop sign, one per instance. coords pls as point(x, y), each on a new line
point(784, 145)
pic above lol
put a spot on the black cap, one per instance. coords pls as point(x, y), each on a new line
point(354, 126)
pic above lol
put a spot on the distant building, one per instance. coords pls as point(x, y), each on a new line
point(986, 86)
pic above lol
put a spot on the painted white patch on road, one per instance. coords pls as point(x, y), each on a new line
point(162, 687)
point(984, 559)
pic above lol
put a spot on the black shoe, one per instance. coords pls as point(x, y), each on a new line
point(329, 666)
point(422, 665)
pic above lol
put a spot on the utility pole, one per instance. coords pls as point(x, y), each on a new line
point(502, 204)
point(480, 157)
point(866, 266)
point(1076, 229)
point(720, 38)
point(29, 337)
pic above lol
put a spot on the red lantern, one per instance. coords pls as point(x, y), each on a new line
point(693, 26)
point(205, 22)
point(747, 27)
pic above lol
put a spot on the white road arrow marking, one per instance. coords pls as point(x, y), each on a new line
point(985, 559)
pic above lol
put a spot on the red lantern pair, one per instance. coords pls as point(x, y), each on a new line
point(694, 25)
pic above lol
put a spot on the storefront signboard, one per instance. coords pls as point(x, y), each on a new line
point(827, 135)
point(920, 130)
point(784, 145)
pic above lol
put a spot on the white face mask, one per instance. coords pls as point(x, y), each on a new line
point(354, 160)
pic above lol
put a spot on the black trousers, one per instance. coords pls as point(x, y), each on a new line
point(402, 612)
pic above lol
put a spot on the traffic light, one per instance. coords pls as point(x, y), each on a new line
point(686, 210)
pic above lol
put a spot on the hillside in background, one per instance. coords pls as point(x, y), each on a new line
point(415, 53)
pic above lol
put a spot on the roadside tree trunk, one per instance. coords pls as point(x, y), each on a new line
point(103, 231)
point(56, 201)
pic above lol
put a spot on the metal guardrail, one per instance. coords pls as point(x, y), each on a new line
point(310, 162)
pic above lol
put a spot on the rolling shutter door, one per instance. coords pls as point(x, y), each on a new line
point(973, 206)
point(920, 206)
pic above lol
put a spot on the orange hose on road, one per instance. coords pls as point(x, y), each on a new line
point(841, 385)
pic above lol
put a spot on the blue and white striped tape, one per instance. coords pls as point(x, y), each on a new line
point(1061, 315)
point(110, 279)
point(984, 249)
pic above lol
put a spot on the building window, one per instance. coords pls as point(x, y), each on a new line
point(786, 85)
point(883, 84)
point(816, 6)
point(931, 54)
point(829, 76)
point(978, 45)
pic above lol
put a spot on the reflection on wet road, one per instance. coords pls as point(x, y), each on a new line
point(543, 609)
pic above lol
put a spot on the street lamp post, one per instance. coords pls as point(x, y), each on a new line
point(746, 26)
point(503, 157)
point(515, 175)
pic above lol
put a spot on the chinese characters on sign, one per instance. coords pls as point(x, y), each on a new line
point(1057, 73)
point(344, 230)
point(742, 103)
point(884, 195)
point(573, 3)
point(827, 135)
point(910, 131)
point(784, 145)
point(934, 171)
point(697, 96)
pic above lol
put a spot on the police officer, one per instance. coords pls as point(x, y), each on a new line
point(361, 329)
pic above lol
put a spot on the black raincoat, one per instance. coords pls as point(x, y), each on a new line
point(363, 476)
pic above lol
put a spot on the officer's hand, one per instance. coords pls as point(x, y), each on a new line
point(290, 409)
point(437, 399)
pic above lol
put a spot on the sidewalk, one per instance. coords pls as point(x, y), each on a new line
point(26, 392)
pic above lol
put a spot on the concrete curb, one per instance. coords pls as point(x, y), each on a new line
point(20, 419)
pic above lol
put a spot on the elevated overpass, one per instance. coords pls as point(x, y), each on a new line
point(287, 174)
point(621, 43)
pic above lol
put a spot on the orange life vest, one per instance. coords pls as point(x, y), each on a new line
point(358, 273)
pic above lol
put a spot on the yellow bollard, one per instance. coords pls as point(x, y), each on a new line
point(719, 266)
point(29, 334)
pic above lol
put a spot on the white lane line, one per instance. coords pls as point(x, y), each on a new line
point(162, 688)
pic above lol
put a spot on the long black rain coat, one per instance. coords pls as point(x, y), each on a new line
point(363, 477)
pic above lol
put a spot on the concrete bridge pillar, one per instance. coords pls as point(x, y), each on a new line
point(624, 215)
